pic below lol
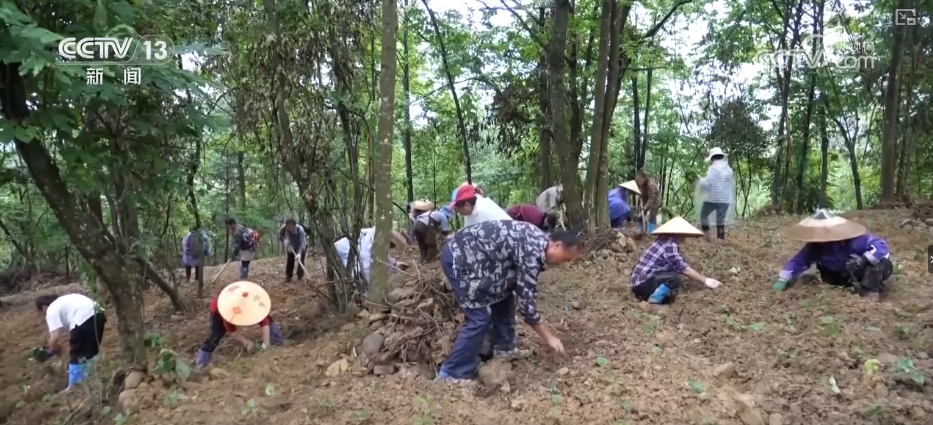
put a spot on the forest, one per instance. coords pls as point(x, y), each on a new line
point(339, 114)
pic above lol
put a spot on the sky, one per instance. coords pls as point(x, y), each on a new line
point(680, 36)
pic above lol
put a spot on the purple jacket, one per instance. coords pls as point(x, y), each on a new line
point(189, 257)
point(834, 255)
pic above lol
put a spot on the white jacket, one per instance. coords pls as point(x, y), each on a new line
point(485, 210)
point(719, 183)
point(365, 261)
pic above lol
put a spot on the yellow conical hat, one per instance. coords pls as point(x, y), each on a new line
point(677, 226)
point(631, 185)
point(243, 303)
point(422, 205)
point(824, 226)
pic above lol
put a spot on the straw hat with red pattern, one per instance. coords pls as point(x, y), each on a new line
point(243, 303)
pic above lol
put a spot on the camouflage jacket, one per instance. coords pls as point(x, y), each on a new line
point(494, 258)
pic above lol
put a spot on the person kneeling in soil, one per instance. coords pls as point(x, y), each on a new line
point(239, 304)
point(844, 252)
point(659, 273)
point(426, 228)
point(489, 265)
point(83, 320)
point(531, 214)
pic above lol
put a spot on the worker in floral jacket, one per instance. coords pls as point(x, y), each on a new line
point(490, 266)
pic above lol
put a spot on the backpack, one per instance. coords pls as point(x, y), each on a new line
point(306, 228)
point(196, 244)
point(250, 239)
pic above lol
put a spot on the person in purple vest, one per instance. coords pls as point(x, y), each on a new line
point(844, 252)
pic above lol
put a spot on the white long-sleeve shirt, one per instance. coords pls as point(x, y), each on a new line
point(365, 261)
point(485, 210)
point(719, 183)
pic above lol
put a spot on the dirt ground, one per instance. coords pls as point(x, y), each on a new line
point(738, 355)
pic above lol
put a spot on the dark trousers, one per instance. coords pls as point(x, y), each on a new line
point(218, 331)
point(869, 279)
point(721, 210)
point(674, 282)
point(426, 237)
point(497, 321)
point(198, 272)
point(84, 339)
point(290, 265)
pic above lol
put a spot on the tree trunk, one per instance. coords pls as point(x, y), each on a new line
point(461, 121)
point(599, 95)
point(383, 161)
point(784, 85)
point(638, 162)
point(891, 106)
point(907, 145)
point(824, 149)
point(544, 138)
point(241, 179)
point(558, 97)
point(406, 88)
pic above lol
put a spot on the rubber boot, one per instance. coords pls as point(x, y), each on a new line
point(651, 227)
point(721, 232)
point(204, 358)
point(244, 272)
point(275, 335)
point(76, 374)
point(660, 295)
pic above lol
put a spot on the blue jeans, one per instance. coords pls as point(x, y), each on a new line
point(497, 320)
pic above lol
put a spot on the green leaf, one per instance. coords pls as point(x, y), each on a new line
point(25, 134)
point(41, 35)
point(182, 370)
point(757, 327)
point(20, 404)
point(270, 390)
point(602, 361)
point(696, 386)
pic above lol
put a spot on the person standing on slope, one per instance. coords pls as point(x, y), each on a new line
point(82, 319)
point(476, 208)
point(490, 266)
point(295, 240)
point(659, 273)
point(650, 198)
point(844, 252)
point(717, 191)
point(245, 243)
point(196, 247)
point(551, 201)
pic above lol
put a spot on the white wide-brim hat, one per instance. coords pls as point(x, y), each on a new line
point(713, 152)
point(243, 303)
point(631, 185)
point(824, 226)
point(422, 205)
point(677, 226)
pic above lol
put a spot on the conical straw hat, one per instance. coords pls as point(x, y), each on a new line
point(422, 205)
point(631, 185)
point(243, 303)
point(677, 226)
point(399, 239)
point(825, 226)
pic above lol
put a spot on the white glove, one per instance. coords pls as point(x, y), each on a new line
point(265, 346)
point(712, 283)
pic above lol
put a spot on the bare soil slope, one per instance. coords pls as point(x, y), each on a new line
point(739, 355)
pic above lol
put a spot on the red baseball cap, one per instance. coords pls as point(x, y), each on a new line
point(463, 193)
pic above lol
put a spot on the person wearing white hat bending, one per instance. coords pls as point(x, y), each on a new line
point(844, 252)
point(239, 304)
point(619, 210)
point(718, 194)
point(659, 273)
point(428, 223)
